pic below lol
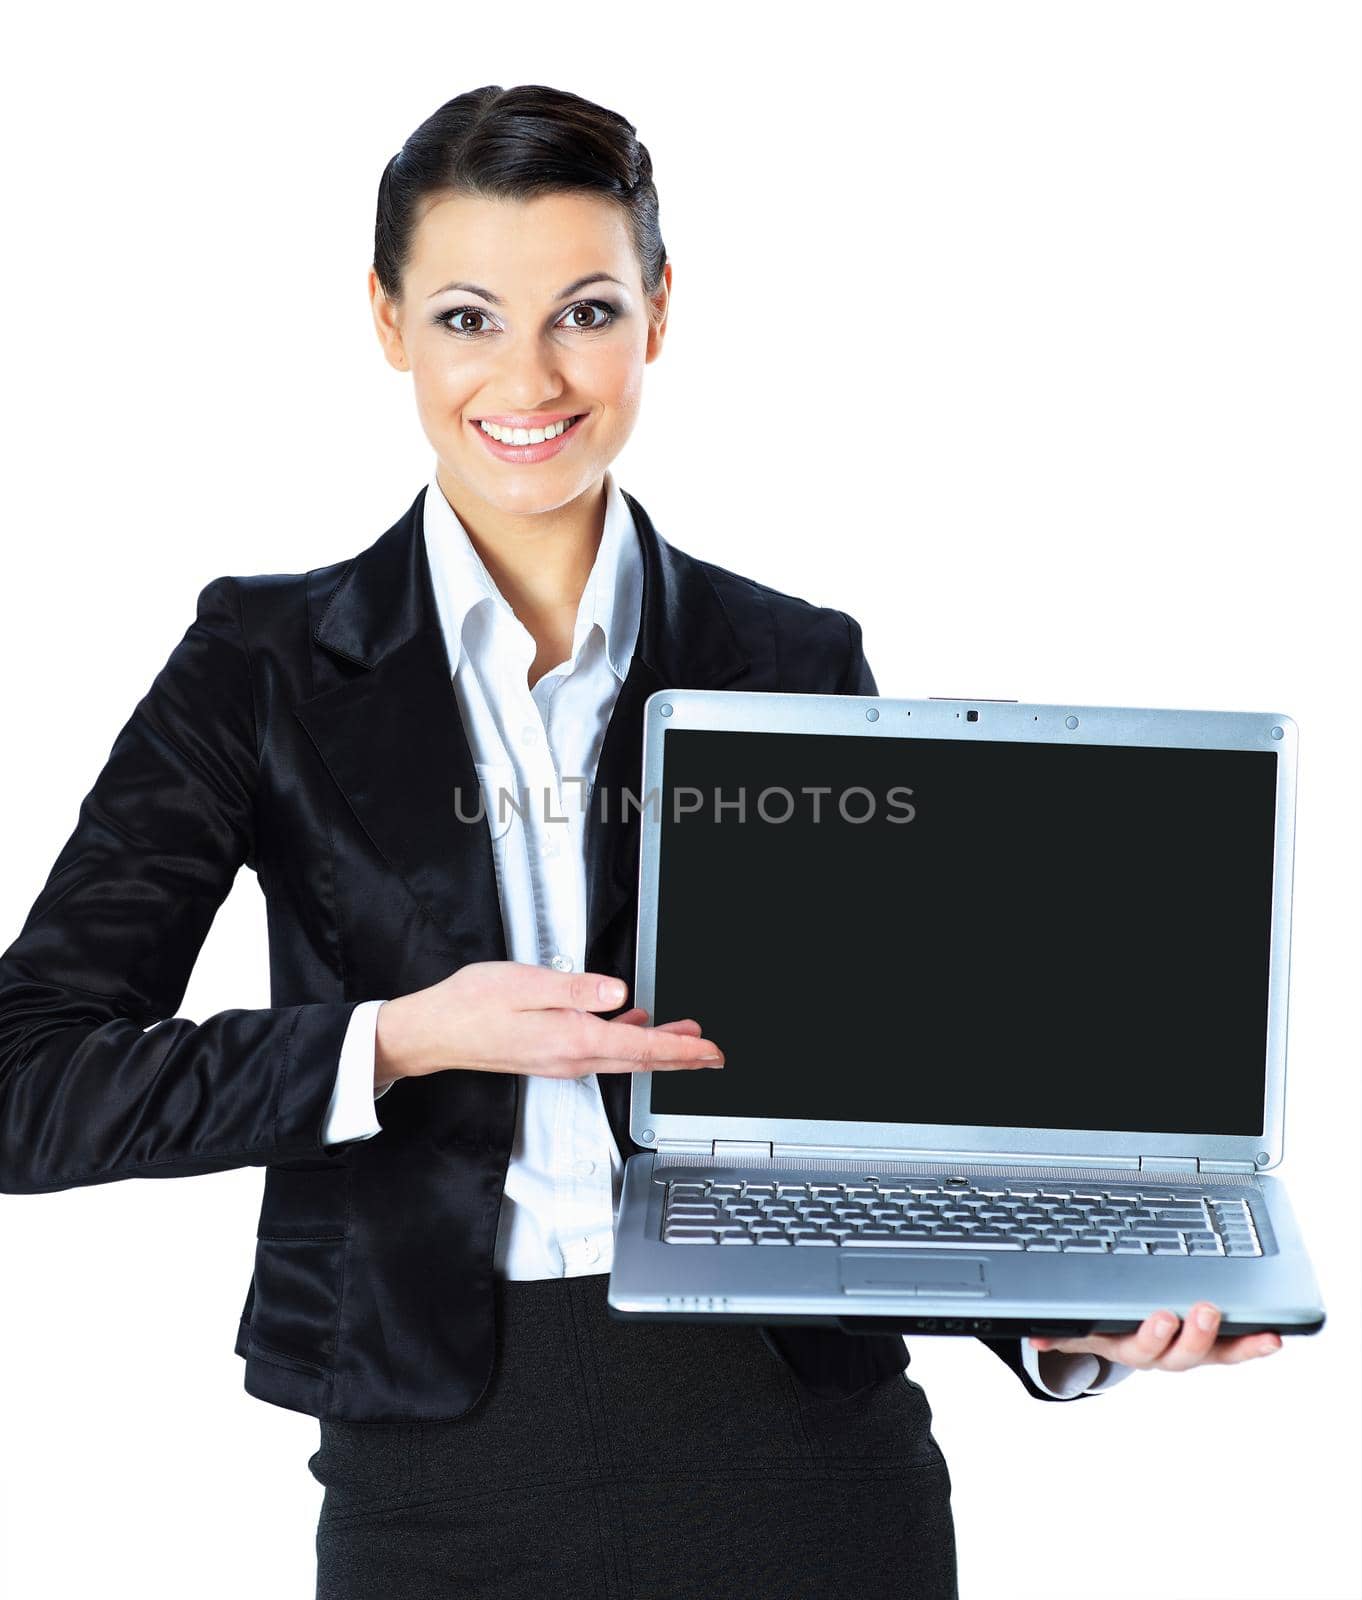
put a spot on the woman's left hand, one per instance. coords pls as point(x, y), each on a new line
point(1153, 1343)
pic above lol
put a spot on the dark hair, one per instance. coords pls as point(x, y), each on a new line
point(516, 144)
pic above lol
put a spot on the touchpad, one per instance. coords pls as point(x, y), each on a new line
point(893, 1272)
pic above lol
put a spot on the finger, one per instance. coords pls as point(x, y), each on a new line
point(636, 1015)
point(1229, 1352)
point(539, 987)
point(626, 1047)
point(1195, 1340)
point(1093, 1344)
point(1149, 1341)
point(1139, 1349)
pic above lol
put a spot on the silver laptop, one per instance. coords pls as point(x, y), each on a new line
point(1001, 991)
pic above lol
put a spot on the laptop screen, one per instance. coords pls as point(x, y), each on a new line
point(967, 931)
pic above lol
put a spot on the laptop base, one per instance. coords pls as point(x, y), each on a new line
point(995, 1327)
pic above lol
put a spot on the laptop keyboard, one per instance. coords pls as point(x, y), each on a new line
point(1124, 1219)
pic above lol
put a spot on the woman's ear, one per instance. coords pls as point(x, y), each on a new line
point(386, 324)
point(659, 303)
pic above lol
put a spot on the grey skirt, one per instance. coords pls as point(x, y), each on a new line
point(638, 1461)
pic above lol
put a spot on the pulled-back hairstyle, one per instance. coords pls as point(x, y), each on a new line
point(516, 144)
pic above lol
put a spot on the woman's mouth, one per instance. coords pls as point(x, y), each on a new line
point(527, 445)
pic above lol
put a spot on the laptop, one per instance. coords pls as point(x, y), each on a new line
point(1001, 990)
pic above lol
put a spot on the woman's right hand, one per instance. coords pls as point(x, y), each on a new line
point(508, 1016)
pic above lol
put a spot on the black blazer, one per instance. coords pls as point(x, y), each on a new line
point(306, 726)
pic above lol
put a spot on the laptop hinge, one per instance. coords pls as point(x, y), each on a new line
point(1170, 1164)
point(747, 1149)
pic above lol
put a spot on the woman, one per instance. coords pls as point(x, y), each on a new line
point(439, 1090)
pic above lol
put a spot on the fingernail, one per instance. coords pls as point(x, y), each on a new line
point(711, 1061)
point(1163, 1326)
point(611, 991)
point(1207, 1317)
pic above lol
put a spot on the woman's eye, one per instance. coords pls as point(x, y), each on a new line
point(588, 306)
point(581, 318)
point(457, 320)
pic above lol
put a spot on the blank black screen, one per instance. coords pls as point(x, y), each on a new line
point(1061, 936)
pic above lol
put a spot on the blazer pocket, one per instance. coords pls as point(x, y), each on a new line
point(299, 1263)
point(297, 1292)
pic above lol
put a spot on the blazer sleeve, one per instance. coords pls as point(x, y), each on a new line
point(99, 1079)
point(1010, 1351)
point(857, 678)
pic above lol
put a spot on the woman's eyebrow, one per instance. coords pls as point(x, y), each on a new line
point(494, 299)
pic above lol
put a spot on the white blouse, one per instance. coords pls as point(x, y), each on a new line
point(563, 1180)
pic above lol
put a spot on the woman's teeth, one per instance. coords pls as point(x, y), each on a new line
point(527, 435)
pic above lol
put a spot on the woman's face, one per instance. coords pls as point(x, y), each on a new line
point(523, 312)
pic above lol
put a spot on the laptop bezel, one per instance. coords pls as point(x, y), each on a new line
point(755, 711)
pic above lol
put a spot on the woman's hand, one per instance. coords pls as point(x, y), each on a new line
point(1153, 1345)
point(508, 1016)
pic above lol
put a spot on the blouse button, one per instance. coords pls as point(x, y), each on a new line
point(563, 963)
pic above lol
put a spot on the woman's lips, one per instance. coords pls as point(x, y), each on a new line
point(528, 454)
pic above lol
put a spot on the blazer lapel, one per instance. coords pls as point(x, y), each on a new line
point(391, 736)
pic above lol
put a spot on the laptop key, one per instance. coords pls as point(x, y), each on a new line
point(937, 1243)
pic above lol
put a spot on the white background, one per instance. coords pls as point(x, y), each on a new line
point(1029, 334)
